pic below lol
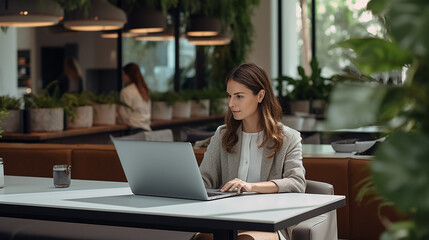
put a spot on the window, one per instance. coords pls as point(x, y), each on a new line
point(338, 20)
point(156, 61)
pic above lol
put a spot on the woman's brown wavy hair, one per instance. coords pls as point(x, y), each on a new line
point(255, 78)
point(136, 77)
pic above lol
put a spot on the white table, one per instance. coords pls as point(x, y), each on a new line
point(112, 203)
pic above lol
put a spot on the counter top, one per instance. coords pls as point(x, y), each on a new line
point(326, 151)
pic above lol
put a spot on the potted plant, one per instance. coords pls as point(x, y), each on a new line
point(3, 113)
point(218, 102)
point(307, 94)
point(105, 107)
point(162, 104)
point(182, 107)
point(45, 110)
point(200, 103)
point(12, 122)
point(78, 109)
point(399, 169)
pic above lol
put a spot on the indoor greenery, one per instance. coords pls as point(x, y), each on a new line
point(216, 97)
point(9, 103)
point(45, 99)
point(3, 113)
point(400, 168)
point(71, 101)
point(306, 87)
point(169, 97)
point(105, 98)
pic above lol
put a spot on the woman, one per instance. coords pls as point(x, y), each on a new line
point(71, 79)
point(253, 151)
point(136, 95)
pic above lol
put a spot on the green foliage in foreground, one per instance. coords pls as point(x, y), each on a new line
point(400, 168)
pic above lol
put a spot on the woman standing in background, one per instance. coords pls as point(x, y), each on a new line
point(136, 95)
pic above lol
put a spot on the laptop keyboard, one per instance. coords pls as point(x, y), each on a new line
point(212, 194)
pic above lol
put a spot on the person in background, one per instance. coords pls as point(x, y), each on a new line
point(253, 151)
point(136, 95)
point(71, 79)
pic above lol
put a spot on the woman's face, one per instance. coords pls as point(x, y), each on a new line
point(242, 102)
point(125, 78)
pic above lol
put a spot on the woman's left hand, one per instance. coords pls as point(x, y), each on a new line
point(237, 185)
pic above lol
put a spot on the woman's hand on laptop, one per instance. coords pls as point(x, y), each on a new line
point(237, 185)
point(241, 186)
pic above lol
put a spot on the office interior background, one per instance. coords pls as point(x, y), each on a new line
point(44, 47)
point(279, 47)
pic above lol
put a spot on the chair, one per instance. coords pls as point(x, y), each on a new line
point(165, 135)
point(323, 227)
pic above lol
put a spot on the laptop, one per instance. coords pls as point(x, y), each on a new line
point(164, 169)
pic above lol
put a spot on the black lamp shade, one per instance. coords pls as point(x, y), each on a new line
point(203, 26)
point(147, 20)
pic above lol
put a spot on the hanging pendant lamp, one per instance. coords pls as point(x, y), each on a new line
point(203, 26)
point(167, 34)
point(114, 34)
point(125, 32)
point(147, 20)
point(30, 13)
point(223, 38)
point(102, 16)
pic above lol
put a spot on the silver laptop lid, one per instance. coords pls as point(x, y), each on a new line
point(167, 169)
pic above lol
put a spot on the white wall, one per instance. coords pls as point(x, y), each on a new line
point(265, 51)
point(261, 47)
point(8, 62)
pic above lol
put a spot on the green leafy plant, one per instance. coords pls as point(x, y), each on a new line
point(169, 97)
point(306, 87)
point(105, 98)
point(45, 99)
point(72, 101)
point(400, 169)
point(216, 96)
point(3, 113)
point(8, 102)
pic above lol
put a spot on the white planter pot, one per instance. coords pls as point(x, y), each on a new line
point(301, 106)
point(293, 121)
point(46, 119)
point(309, 124)
point(104, 114)
point(318, 106)
point(222, 107)
point(12, 122)
point(200, 109)
point(182, 109)
point(83, 119)
point(161, 111)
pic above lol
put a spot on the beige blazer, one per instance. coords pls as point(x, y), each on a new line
point(285, 169)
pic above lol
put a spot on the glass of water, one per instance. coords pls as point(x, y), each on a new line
point(62, 176)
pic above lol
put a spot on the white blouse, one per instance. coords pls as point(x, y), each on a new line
point(251, 157)
point(140, 116)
